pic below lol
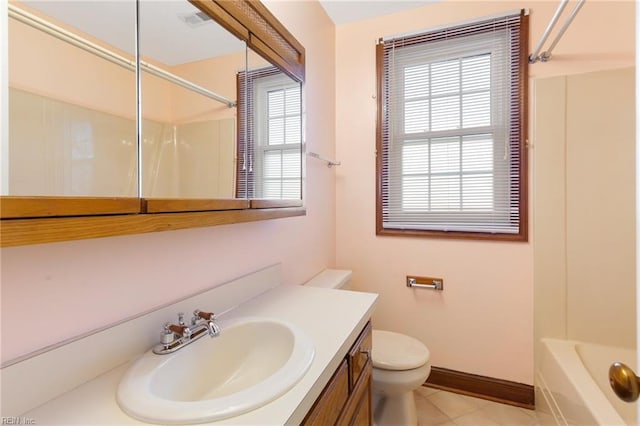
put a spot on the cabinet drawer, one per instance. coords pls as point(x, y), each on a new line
point(331, 401)
point(359, 355)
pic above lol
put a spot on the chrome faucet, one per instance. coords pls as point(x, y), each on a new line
point(177, 336)
point(209, 318)
point(214, 329)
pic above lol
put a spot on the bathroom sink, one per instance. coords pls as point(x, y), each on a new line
point(250, 363)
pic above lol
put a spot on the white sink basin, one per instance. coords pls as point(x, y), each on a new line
point(252, 362)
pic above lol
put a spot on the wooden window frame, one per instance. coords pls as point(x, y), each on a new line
point(522, 234)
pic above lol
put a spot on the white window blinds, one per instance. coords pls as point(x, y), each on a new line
point(270, 135)
point(279, 124)
point(281, 166)
point(451, 129)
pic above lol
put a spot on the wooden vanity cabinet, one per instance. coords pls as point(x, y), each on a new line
point(346, 399)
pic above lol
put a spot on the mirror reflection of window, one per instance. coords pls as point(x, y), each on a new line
point(278, 121)
point(274, 134)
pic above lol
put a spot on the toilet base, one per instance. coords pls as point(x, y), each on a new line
point(396, 410)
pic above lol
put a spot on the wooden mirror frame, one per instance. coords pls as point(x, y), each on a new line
point(35, 220)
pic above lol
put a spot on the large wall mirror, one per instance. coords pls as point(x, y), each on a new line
point(189, 122)
point(144, 107)
point(72, 107)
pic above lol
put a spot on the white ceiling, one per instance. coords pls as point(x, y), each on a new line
point(347, 11)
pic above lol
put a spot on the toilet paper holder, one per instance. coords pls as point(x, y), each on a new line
point(425, 282)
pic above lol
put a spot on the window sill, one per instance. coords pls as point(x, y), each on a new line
point(521, 237)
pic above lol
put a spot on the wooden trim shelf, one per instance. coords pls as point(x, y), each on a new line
point(167, 205)
point(260, 203)
point(17, 232)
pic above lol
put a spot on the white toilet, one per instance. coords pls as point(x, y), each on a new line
point(400, 364)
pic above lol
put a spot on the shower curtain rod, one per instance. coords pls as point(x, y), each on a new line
point(88, 46)
point(546, 55)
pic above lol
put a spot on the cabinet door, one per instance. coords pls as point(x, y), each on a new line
point(364, 411)
point(329, 405)
point(358, 410)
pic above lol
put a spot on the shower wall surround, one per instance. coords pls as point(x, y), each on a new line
point(585, 234)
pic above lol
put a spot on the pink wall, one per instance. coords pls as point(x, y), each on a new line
point(483, 321)
point(52, 292)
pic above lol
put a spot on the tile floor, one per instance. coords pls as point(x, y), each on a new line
point(440, 408)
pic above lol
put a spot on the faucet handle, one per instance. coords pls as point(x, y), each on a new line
point(209, 316)
point(167, 337)
point(181, 318)
point(181, 330)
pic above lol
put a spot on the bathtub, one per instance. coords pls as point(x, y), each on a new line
point(572, 383)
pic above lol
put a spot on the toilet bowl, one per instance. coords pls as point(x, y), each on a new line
point(400, 364)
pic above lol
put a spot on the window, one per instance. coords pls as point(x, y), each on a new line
point(451, 131)
point(271, 153)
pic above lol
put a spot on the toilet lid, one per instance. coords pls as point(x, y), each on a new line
point(395, 351)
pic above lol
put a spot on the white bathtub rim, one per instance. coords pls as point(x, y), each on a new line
point(565, 355)
point(546, 403)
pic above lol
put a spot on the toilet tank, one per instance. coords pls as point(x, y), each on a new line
point(331, 278)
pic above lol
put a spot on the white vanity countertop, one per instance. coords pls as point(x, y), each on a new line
point(332, 318)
